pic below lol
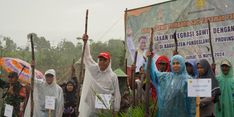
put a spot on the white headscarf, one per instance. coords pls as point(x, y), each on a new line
point(42, 89)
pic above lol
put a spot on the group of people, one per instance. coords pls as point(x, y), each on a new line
point(169, 78)
point(169, 82)
point(16, 96)
point(99, 80)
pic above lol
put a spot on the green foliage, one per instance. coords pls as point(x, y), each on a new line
point(137, 111)
point(105, 113)
point(10, 44)
point(116, 48)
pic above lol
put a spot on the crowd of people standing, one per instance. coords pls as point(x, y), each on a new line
point(169, 82)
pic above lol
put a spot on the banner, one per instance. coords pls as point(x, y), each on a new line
point(189, 18)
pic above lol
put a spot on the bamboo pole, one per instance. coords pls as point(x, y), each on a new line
point(147, 114)
point(81, 73)
point(212, 55)
point(211, 46)
point(198, 106)
point(133, 78)
point(176, 44)
point(32, 77)
point(73, 70)
point(49, 113)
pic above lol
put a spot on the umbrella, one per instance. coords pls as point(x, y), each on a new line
point(21, 67)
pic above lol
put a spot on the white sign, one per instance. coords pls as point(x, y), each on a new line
point(8, 110)
point(50, 102)
point(199, 87)
point(102, 101)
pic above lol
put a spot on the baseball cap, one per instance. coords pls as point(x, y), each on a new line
point(226, 62)
point(105, 55)
point(51, 72)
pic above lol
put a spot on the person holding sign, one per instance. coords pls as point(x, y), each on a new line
point(100, 89)
point(172, 89)
point(14, 96)
point(206, 103)
point(48, 97)
point(226, 83)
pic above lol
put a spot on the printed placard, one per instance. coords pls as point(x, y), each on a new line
point(102, 101)
point(8, 110)
point(199, 87)
point(50, 102)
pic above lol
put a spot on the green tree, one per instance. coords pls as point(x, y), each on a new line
point(10, 44)
point(116, 48)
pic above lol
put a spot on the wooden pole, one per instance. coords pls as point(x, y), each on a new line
point(73, 71)
point(142, 78)
point(49, 113)
point(147, 114)
point(32, 77)
point(82, 56)
point(133, 78)
point(198, 106)
point(176, 43)
point(81, 73)
point(211, 47)
point(125, 49)
point(213, 60)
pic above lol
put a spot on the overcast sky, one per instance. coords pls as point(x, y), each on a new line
point(64, 19)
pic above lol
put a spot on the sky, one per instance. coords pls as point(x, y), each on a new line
point(57, 20)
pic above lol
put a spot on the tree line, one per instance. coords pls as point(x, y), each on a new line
point(60, 57)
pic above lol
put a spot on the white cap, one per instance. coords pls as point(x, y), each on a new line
point(226, 62)
point(51, 71)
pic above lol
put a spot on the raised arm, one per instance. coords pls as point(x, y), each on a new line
point(131, 47)
point(154, 73)
point(88, 60)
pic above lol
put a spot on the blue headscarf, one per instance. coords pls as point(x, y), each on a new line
point(172, 90)
point(193, 63)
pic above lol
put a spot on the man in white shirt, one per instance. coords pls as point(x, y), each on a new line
point(99, 80)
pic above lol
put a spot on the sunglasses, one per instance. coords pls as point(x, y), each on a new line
point(162, 63)
point(49, 76)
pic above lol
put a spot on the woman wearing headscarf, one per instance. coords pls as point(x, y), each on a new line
point(172, 89)
point(191, 67)
point(206, 104)
point(226, 83)
point(42, 89)
point(163, 64)
point(70, 100)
